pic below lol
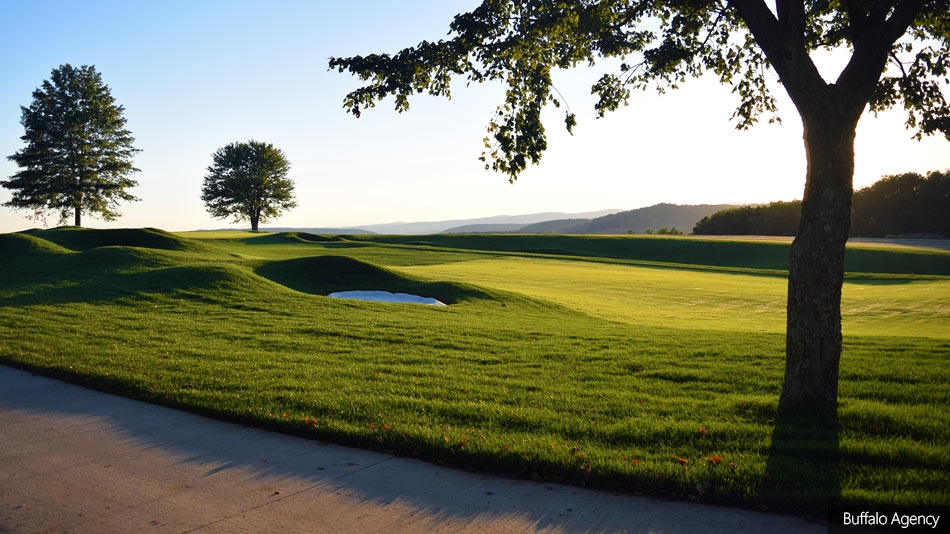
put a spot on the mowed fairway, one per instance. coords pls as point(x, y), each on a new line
point(703, 300)
point(588, 364)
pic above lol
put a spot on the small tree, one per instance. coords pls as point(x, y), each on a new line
point(78, 154)
point(249, 181)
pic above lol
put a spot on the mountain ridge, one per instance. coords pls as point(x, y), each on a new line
point(640, 220)
point(612, 221)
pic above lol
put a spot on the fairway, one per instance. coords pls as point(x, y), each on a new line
point(703, 300)
point(635, 364)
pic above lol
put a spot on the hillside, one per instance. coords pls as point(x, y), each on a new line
point(453, 226)
point(654, 217)
point(637, 221)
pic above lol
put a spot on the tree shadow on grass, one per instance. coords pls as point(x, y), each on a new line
point(803, 471)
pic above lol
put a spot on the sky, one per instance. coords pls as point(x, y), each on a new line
point(194, 76)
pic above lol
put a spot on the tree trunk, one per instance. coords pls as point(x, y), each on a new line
point(254, 220)
point(78, 212)
point(816, 263)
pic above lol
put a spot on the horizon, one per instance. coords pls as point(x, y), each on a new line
point(195, 77)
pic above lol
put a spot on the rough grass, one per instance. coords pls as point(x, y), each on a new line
point(541, 369)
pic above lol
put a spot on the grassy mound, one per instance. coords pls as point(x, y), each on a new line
point(292, 238)
point(322, 275)
point(16, 247)
point(78, 239)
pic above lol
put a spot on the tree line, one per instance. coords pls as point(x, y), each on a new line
point(896, 205)
point(78, 159)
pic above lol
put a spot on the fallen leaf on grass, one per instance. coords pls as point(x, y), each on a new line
point(683, 462)
point(715, 459)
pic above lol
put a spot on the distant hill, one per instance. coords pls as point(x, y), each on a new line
point(436, 227)
point(558, 226)
point(654, 217)
point(682, 218)
point(484, 229)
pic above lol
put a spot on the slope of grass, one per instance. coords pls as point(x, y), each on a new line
point(78, 239)
point(540, 369)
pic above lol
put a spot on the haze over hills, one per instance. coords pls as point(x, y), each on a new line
point(681, 217)
point(637, 221)
point(496, 223)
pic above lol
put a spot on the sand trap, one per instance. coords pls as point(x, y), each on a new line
point(386, 296)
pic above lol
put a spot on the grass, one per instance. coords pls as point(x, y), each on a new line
point(608, 370)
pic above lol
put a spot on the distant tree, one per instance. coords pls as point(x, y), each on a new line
point(78, 154)
point(936, 201)
point(521, 42)
point(248, 181)
point(777, 218)
point(903, 204)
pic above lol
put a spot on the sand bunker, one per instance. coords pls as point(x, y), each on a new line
point(386, 296)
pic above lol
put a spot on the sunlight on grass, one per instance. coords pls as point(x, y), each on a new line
point(701, 300)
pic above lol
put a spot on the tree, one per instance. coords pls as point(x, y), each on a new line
point(777, 218)
point(249, 181)
point(78, 154)
point(904, 204)
point(520, 42)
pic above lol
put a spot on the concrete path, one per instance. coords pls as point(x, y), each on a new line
point(74, 460)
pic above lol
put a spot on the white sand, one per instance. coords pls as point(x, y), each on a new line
point(386, 296)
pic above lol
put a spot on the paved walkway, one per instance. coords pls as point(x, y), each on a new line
point(74, 460)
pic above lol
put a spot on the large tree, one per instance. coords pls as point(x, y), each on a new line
point(249, 181)
point(78, 154)
point(898, 54)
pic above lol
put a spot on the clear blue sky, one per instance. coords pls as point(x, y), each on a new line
point(196, 75)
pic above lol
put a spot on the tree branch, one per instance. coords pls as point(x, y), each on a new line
point(873, 47)
point(783, 42)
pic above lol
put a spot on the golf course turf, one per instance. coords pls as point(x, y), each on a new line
point(640, 364)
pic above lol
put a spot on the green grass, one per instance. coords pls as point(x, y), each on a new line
point(599, 369)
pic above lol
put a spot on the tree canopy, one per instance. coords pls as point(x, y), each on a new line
point(248, 181)
point(78, 153)
point(898, 53)
point(661, 44)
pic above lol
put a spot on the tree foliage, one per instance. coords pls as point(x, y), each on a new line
point(249, 182)
point(903, 204)
point(899, 205)
point(78, 153)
